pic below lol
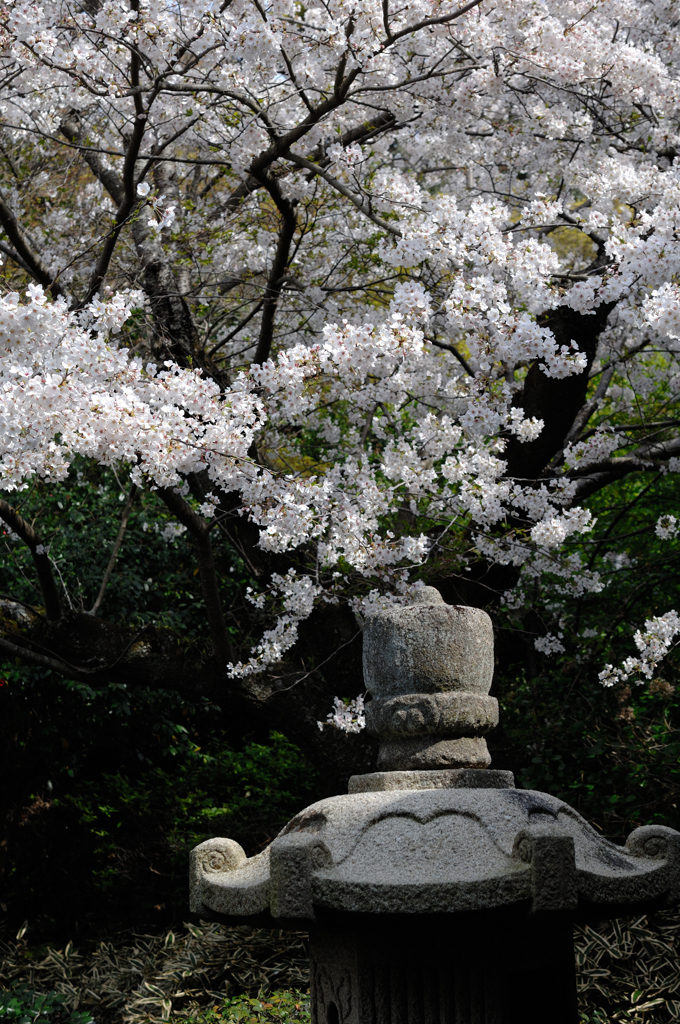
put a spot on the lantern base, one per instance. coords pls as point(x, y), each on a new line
point(484, 968)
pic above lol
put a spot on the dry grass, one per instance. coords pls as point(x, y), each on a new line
point(161, 977)
point(627, 970)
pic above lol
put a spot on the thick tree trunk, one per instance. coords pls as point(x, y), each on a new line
point(556, 401)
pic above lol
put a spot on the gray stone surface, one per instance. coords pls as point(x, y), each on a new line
point(294, 857)
point(428, 667)
point(433, 832)
point(247, 889)
point(552, 861)
point(446, 778)
point(431, 752)
point(440, 851)
point(419, 714)
point(428, 647)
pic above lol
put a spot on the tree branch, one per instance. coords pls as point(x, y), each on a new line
point(15, 257)
point(200, 531)
point(274, 285)
point(280, 148)
point(556, 401)
point(239, 327)
point(121, 189)
point(454, 351)
point(590, 407)
point(28, 259)
point(444, 19)
point(38, 659)
point(594, 477)
point(360, 133)
point(116, 548)
point(176, 336)
point(41, 560)
point(355, 199)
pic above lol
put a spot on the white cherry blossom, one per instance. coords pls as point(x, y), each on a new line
point(320, 262)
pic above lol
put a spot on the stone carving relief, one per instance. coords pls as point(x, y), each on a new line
point(332, 987)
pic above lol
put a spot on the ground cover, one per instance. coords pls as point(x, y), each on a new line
point(206, 973)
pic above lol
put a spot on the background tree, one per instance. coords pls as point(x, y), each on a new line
point(306, 306)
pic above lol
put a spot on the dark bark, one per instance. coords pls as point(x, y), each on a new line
point(277, 271)
point(41, 559)
point(360, 133)
point(122, 189)
point(556, 401)
point(26, 257)
point(174, 333)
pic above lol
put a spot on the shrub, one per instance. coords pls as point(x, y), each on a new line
point(23, 1005)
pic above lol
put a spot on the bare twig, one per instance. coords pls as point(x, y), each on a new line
point(454, 352)
point(354, 198)
point(239, 327)
point(28, 259)
point(116, 548)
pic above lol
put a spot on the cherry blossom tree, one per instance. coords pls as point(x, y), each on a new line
point(373, 295)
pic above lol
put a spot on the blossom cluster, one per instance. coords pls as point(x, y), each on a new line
point(666, 527)
point(653, 644)
point(347, 716)
point(420, 292)
point(296, 595)
point(68, 389)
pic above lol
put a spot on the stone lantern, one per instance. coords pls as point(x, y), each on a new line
point(435, 892)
